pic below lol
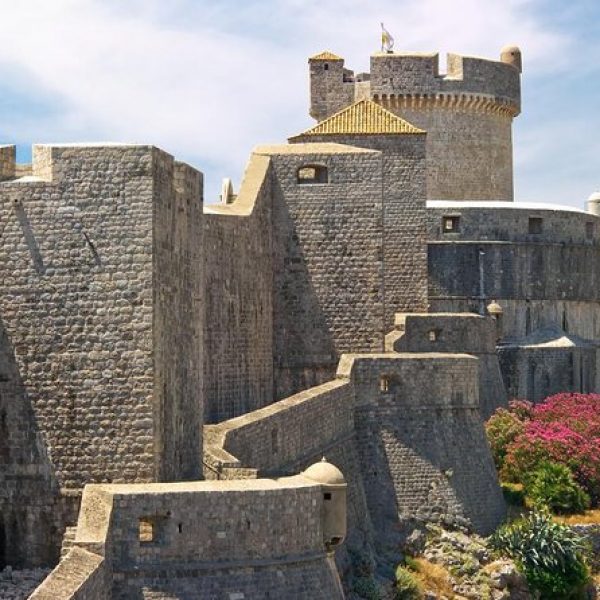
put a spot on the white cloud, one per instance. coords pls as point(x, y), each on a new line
point(209, 80)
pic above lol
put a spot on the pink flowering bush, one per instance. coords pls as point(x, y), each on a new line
point(565, 429)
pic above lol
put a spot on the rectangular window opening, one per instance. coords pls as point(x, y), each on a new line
point(536, 225)
point(310, 174)
point(384, 384)
point(450, 224)
point(147, 530)
point(151, 529)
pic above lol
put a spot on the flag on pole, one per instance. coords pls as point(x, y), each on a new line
point(387, 41)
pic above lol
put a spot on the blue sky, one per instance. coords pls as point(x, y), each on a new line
point(207, 81)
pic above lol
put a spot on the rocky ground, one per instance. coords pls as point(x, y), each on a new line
point(472, 573)
point(19, 584)
point(452, 566)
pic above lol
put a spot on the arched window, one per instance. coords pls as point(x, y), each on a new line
point(310, 174)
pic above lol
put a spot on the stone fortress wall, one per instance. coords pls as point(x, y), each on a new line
point(163, 541)
point(238, 298)
point(466, 112)
point(455, 333)
point(345, 268)
point(121, 336)
point(298, 273)
point(377, 421)
point(541, 263)
point(424, 454)
point(101, 329)
point(400, 245)
point(273, 440)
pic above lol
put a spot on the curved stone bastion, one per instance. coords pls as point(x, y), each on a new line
point(405, 427)
point(244, 539)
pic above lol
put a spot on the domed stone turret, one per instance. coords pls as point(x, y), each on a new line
point(326, 473)
point(511, 55)
point(334, 501)
point(496, 311)
point(593, 204)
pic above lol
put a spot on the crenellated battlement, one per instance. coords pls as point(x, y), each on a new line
point(52, 163)
point(467, 112)
point(414, 79)
point(39, 170)
point(8, 155)
point(473, 82)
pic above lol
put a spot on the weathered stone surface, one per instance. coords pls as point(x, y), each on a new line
point(423, 450)
point(454, 333)
point(220, 539)
point(467, 114)
point(18, 584)
point(100, 332)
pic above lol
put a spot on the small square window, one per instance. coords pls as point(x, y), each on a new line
point(384, 384)
point(151, 530)
point(536, 225)
point(450, 224)
point(327, 495)
point(433, 335)
point(312, 174)
point(147, 531)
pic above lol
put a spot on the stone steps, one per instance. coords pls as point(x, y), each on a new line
point(68, 541)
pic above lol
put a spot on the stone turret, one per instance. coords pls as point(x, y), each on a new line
point(331, 86)
point(511, 55)
point(334, 487)
point(467, 113)
point(593, 204)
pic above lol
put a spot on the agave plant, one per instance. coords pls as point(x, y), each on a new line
point(550, 554)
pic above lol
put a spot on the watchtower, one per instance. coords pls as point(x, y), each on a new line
point(467, 112)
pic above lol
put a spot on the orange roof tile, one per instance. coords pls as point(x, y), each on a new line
point(326, 55)
point(362, 118)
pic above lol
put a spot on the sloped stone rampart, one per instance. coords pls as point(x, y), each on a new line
point(81, 575)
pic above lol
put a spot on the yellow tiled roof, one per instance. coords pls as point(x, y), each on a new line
point(326, 56)
point(362, 118)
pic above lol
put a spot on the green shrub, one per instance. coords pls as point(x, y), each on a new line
point(553, 486)
point(407, 587)
point(367, 588)
point(502, 429)
point(560, 585)
point(550, 555)
point(411, 563)
point(514, 494)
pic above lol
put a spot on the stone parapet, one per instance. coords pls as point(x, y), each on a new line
point(470, 81)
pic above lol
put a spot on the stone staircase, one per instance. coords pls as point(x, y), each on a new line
point(68, 541)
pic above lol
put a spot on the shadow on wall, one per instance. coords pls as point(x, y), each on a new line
point(377, 480)
point(303, 348)
point(424, 454)
point(30, 526)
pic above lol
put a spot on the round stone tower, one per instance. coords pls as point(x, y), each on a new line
point(467, 113)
